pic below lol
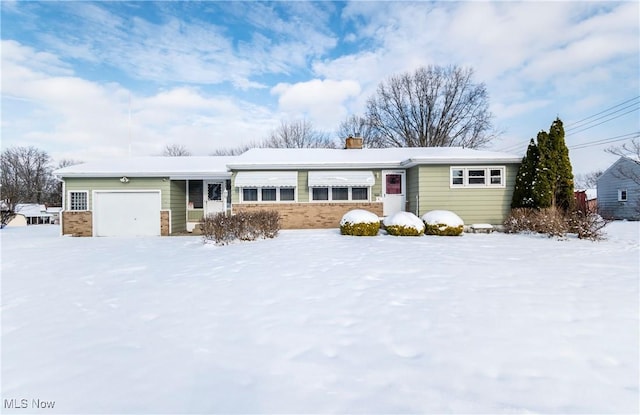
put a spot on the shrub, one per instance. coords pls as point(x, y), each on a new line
point(404, 224)
point(554, 222)
point(360, 222)
point(243, 226)
point(441, 229)
point(442, 223)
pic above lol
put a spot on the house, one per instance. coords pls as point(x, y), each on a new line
point(34, 213)
point(587, 200)
point(619, 190)
point(310, 188)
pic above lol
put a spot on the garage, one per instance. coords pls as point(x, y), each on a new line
point(126, 213)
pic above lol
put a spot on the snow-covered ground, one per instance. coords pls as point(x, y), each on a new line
point(316, 322)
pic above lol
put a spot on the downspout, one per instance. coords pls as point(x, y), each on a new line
point(417, 205)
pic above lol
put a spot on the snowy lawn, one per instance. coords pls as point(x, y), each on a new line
point(317, 322)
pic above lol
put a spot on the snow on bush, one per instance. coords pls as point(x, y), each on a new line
point(359, 222)
point(404, 224)
point(443, 223)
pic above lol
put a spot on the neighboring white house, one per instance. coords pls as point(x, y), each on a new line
point(35, 214)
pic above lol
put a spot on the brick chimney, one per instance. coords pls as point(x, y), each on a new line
point(353, 143)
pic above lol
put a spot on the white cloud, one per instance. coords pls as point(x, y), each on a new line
point(324, 102)
point(75, 118)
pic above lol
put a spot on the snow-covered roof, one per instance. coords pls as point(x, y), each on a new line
point(175, 167)
point(282, 159)
point(31, 210)
point(296, 158)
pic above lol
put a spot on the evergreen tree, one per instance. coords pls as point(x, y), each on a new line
point(523, 191)
point(545, 177)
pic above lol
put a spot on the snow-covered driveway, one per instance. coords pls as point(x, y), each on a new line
point(316, 322)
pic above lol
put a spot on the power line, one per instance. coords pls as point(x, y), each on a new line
point(602, 122)
point(603, 111)
point(608, 140)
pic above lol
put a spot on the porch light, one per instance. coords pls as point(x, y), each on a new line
point(124, 179)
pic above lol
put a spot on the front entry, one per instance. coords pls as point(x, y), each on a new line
point(214, 197)
point(393, 192)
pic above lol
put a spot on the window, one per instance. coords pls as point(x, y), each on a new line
point(457, 177)
point(78, 200)
point(622, 195)
point(320, 193)
point(249, 195)
point(268, 194)
point(394, 184)
point(339, 194)
point(477, 177)
point(287, 194)
point(360, 193)
point(195, 194)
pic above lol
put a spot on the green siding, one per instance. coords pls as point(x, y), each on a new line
point(113, 183)
point(303, 186)
point(178, 203)
point(195, 215)
point(473, 205)
point(412, 186)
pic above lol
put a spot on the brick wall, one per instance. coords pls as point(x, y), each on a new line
point(310, 215)
point(77, 223)
point(164, 223)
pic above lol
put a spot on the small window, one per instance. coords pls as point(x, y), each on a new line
point(78, 201)
point(622, 195)
point(269, 195)
point(496, 176)
point(195, 194)
point(457, 177)
point(360, 193)
point(249, 195)
point(320, 193)
point(287, 194)
point(394, 184)
point(477, 176)
point(340, 193)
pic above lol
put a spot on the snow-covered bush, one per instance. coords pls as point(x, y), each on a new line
point(555, 223)
point(404, 224)
point(443, 223)
point(243, 226)
point(360, 222)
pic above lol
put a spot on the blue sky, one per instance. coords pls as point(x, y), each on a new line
point(87, 80)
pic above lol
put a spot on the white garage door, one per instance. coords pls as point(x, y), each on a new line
point(126, 213)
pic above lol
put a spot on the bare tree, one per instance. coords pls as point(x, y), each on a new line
point(356, 125)
point(630, 150)
point(587, 180)
point(432, 107)
point(236, 151)
point(175, 150)
point(298, 134)
point(25, 177)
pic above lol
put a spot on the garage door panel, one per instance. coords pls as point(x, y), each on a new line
point(127, 213)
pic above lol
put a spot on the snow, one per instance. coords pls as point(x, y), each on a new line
point(150, 167)
point(359, 216)
point(442, 217)
point(314, 322)
point(406, 219)
point(402, 157)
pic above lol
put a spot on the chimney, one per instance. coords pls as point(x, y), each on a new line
point(353, 143)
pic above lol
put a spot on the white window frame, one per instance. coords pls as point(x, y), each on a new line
point(349, 196)
point(623, 195)
point(70, 204)
point(259, 191)
point(487, 177)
